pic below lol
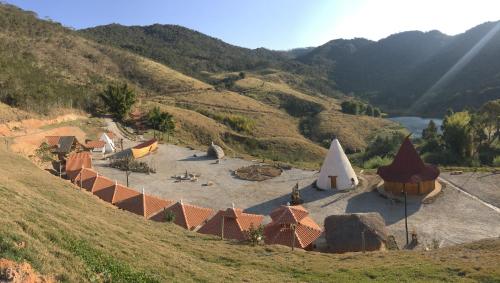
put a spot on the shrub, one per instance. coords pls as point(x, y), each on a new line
point(255, 235)
point(496, 161)
point(169, 216)
point(376, 162)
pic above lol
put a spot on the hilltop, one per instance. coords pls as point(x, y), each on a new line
point(72, 236)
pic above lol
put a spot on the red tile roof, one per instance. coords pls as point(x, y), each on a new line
point(86, 178)
point(104, 188)
point(155, 205)
point(186, 215)
point(110, 135)
point(122, 193)
point(408, 167)
point(53, 140)
point(76, 162)
point(95, 144)
point(280, 230)
point(129, 200)
point(236, 224)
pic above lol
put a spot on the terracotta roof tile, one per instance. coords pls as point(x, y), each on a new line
point(122, 193)
point(95, 144)
point(76, 162)
point(52, 140)
point(408, 167)
point(236, 224)
point(87, 177)
point(104, 188)
point(186, 215)
point(280, 232)
point(155, 205)
point(134, 203)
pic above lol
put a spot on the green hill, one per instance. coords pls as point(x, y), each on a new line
point(46, 66)
point(400, 73)
point(73, 236)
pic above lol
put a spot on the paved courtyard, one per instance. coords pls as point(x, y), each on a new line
point(452, 218)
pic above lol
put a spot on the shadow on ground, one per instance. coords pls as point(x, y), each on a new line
point(391, 211)
point(308, 194)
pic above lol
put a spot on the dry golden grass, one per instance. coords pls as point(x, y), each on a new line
point(8, 114)
point(71, 235)
point(353, 131)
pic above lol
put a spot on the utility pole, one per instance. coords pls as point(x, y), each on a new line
point(406, 215)
point(222, 229)
point(363, 242)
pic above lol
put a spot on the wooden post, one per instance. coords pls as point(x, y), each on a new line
point(222, 229)
point(60, 165)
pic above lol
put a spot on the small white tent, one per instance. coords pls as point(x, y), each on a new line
point(336, 171)
point(109, 144)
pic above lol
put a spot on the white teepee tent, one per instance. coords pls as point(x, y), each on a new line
point(109, 144)
point(336, 171)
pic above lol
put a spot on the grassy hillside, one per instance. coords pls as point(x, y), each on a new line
point(44, 65)
point(267, 114)
point(69, 234)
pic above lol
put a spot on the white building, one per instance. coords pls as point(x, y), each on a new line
point(336, 171)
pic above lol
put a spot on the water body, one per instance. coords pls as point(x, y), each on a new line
point(416, 124)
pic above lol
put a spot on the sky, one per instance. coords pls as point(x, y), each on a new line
point(275, 24)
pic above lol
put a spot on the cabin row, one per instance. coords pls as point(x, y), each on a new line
point(64, 145)
point(290, 225)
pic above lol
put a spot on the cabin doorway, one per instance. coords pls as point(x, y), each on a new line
point(333, 182)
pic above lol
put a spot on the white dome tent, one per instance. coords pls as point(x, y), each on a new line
point(336, 171)
point(109, 145)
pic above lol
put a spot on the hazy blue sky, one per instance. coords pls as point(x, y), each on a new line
point(275, 24)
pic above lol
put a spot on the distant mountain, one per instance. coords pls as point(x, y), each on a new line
point(194, 53)
point(401, 72)
point(184, 49)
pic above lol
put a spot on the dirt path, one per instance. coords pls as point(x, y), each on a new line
point(29, 126)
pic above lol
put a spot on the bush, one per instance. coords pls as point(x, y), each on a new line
point(496, 161)
point(169, 216)
point(255, 235)
point(127, 164)
point(376, 162)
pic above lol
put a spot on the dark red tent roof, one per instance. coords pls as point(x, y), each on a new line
point(408, 167)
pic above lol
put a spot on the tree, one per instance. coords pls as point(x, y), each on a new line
point(167, 124)
point(457, 134)
point(161, 121)
point(369, 110)
point(377, 112)
point(491, 114)
point(350, 107)
point(154, 117)
point(118, 99)
point(431, 132)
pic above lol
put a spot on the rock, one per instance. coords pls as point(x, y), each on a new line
point(215, 151)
